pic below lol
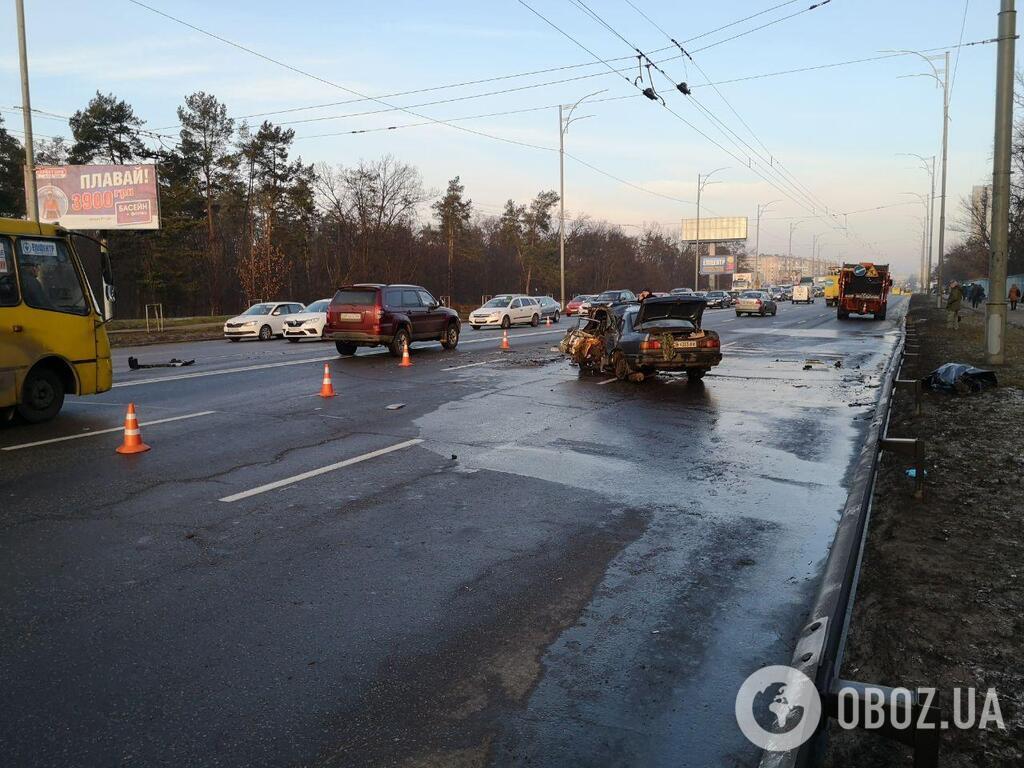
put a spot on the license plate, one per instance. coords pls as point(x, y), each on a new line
point(684, 345)
point(350, 317)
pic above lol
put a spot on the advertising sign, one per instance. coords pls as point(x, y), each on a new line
point(715, 230)
point(99, 196)
point(717, 265)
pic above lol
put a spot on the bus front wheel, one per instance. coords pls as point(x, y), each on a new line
point(41, 396)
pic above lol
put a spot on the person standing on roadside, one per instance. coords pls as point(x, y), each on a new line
point(1014, 296)
point(956, 297)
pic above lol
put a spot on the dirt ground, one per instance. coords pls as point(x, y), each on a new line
point(941, 596)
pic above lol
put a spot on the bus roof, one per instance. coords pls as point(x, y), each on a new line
point(26, 227)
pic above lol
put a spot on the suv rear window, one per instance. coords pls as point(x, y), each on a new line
point(360, 297)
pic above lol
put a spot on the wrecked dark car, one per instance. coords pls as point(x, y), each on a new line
point(661, 333)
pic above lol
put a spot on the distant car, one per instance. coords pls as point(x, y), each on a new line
point(573, 307)
point(261, 321)
point(308, 324)
point(756, 303)
point(803, 293)
point(658, 334)
point(777, 294)
point(681, 291)
point(549, 308)
point(608, 299)
point(700, 294)
point(375, 314)
point(506, 310)
point(718, 300)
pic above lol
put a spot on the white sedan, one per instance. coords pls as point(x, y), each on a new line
point(505, 311)
point(261, 321)
point(308, 324)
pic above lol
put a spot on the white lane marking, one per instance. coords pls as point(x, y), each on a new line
point(606, 381)
point(201, 374)
point(262, 366)
point(104, 431)
point(730, 344)
point(323, 470)
point(467, 365)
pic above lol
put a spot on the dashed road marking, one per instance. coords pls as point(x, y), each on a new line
point(103, 431)
point(321, 471)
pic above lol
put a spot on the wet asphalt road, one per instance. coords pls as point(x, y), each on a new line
point(563, 571)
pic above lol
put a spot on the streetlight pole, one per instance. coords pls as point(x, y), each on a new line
point(757, 241)
point(563, 126)
point(928, 163)
point(789, 257)
point(696, 261)
point(995, 308)
point(31, 199)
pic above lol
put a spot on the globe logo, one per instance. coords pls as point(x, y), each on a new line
point(778, 708)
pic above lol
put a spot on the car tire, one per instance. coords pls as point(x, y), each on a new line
point(557, 316)
point(842, 315)
point(232, 338)
point(345, 347)
point(739, 314)
point(399, 341)
point(774, 312)
point(451, 336)
point(535, 320)
point(506, 322)
point(621, 366)
point(762, 313)
point(693, 375)
point(476, 327)
point(42, 396)
point(293, 339)
point(266, 333)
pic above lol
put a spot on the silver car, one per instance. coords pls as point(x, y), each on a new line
point(756, 303)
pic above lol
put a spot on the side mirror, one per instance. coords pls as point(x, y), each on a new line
point(109, 294)
point(435, 304)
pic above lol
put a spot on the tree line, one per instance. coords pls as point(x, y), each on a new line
point(245, 218)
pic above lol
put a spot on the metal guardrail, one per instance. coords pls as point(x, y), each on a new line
point(822, 640)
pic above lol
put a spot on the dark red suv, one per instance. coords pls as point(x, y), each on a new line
point(371, 314)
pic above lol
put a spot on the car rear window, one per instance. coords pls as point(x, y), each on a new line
point(358, 297)
point(752, 295)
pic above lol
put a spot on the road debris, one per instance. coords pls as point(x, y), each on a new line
point(135, 365)
point(960, 378)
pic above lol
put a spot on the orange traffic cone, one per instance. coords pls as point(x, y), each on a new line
point(548, 322)
point(406, 362)
point(327, 388)
point(132, 436)
point(504, 340)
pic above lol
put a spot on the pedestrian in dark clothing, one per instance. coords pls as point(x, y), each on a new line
point(1014, 296)
point(956, 296)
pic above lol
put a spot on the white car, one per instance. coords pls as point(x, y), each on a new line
point(308, 324)
point(505, 311)
point(261, 321)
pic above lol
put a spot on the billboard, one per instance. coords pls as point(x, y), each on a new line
point(98, 196)
point(715, 230)
point(717, 265)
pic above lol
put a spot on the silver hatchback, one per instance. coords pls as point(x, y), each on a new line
point(755, 303)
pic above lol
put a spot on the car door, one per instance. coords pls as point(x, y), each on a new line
point(515, 311)
point(434, 318)
point(413, 307)
point(277, 317)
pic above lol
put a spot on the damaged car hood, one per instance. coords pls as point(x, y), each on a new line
point(689, 308)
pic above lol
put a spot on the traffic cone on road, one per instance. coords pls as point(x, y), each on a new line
point(548, 322)
point(504, 340)
point(327, 388)
point(406, 362)
point(132, 436)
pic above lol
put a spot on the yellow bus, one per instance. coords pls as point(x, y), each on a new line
point(53, 337)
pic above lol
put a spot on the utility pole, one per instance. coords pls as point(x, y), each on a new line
point(702, 181)
point(757, 241)
point(563, 126)
point(942, 204)
point(31, 198)
point(561, 203)
point(789, 258)
point(995, 314)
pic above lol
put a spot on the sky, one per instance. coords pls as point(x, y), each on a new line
point(827, 139)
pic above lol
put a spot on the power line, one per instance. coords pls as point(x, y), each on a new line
point(956, 64)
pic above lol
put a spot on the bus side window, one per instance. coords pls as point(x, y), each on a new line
point(8, 282)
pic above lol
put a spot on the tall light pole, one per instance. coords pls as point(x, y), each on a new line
point(928, 163)
point(995, 308)
point(943, 81)
point(26, 112)
point(700, 189)
point(563, 126)
point(789, 257)
point(757, 240)
point(924, 233)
